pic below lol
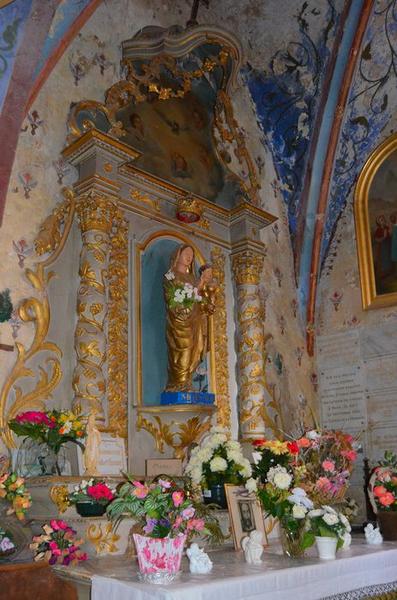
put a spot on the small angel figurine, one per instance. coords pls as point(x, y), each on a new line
point(200, 562)
point(253, 547)
point(373, 535)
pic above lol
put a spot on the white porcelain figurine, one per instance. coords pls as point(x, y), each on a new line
point(253, 547)
point(200, 562)
point(373, 535)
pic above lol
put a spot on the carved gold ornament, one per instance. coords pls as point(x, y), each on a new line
point(59, 494)
point(178, 436)
point(222, 398)
point(41, 361)
point(104, 540)
point(118, 329)
point(140, 197)
point(247, 267)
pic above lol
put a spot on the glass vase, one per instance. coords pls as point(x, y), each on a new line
point(292, 541)
point(36, 460)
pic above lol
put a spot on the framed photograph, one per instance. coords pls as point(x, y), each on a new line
point(245, 513)
point(164, 466)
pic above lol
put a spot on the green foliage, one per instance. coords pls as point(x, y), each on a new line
point(6, 307)
point(268, 460)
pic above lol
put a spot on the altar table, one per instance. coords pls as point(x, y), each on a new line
point(277, 578)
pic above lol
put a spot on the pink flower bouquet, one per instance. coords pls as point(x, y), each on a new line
point(384, 487)
point(58, 544)
point(161, 508)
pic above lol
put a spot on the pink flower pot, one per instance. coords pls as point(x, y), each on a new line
point(159, 559)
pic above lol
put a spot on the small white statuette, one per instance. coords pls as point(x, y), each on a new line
point(200, 562)
point(373, 535)
point(347, 540)
point(253, 547)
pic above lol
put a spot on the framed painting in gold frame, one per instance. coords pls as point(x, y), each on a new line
point(245, 514)
point(375, 214)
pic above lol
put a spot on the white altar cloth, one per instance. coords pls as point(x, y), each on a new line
point(278, 578)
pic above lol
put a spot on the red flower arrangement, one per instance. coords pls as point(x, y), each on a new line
point(384, 486)
point(93, 490)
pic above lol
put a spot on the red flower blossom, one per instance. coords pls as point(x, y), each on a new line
point(100, 491)
point(293, 447)
point(259, 443)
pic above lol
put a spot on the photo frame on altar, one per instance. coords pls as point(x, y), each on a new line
point(245, 514)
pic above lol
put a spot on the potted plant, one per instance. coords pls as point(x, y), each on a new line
point(58, 544)
point(215, 461)
point(50, 430)
point(329, 528)
point(91, 497)
point(383, 487)
point(165, 517)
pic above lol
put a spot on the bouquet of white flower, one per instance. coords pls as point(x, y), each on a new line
point(218, 459)
point(327, 522)
point(181, 295)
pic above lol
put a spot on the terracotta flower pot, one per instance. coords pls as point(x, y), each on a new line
point(159, 559)
point(388, 524)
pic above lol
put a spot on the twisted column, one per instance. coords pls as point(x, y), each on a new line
point(95, 213)
point(247, 266)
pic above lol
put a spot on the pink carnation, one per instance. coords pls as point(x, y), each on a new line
point(351, 455)
point(188, 513)
point(379, 490)
point(387, 499)
point(34, 416)
point(323, 484)
point(177, 498)
point(328, 465)
point(100, 491)
point(196, 524)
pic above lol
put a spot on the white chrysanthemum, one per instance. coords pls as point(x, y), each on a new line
point(330, 519)
point(329, 509)
point(218, 429)
point(235, 456)
point(273, 470)
point(246, 471)
point(298, 511)
point(345, 522)
point(316, 512)
point(282, 480)
point(256, 457)
point(233, 445)
point(251, 485)
point(218, 464)
point(196, 475)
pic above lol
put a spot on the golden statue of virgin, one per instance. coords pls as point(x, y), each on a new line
point(187, 322)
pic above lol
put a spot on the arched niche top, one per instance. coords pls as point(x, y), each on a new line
point(173, 106)
point(375, 211)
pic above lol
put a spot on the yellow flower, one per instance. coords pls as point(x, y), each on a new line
point(63, 417)
point(77, 425)
point(277, 447)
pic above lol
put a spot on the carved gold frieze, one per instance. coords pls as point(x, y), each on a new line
point(118, 329)
point(143, 198)
point(59, 494)
point(41, 361)
point(104, 540)
point(220, 341)
point(178, 436)
point(247, 267)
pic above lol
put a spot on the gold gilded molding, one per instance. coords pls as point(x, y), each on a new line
point(36, 310)
point(247, 267)
point(59, 494)
point(104, 540)
point(95, 211)
point(118, 329)
point(168, 433)
point(140, 197)
point(220, 367)
point(370, 298)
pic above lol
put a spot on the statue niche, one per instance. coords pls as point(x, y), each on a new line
point(190, 302)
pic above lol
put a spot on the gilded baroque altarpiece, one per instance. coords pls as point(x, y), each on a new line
point(131, 185)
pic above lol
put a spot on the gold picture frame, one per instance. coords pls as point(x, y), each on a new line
point(245, 514)
point(375, 214)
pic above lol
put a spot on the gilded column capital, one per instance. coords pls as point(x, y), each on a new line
point(96, 211)
point(247, 267)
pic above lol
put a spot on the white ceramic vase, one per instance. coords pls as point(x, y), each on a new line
point(326, 547)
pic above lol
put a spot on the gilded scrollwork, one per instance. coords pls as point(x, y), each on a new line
point(15, 395)
point(247, 268)
point(96, 215)
point(104, 540)
point(178, 436)
point(143, 198)
point(220, 340)
point(59, 494)
point(118, 328)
